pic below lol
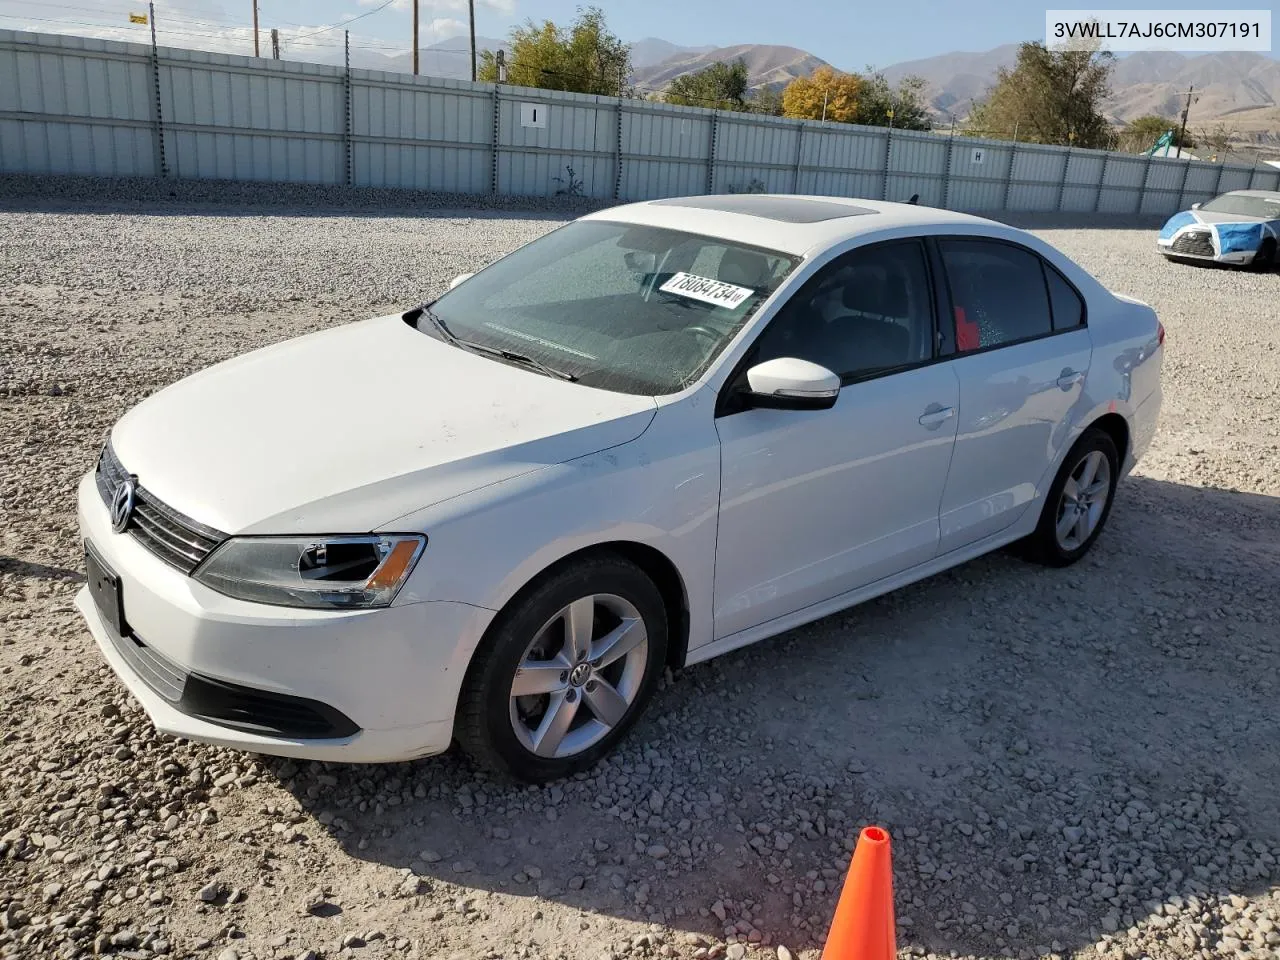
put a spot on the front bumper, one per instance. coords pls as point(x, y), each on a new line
point(392, 674)
point(1234, 258)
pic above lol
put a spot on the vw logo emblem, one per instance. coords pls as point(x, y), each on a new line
point(122, 504)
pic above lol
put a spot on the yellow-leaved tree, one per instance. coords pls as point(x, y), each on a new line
point(805, 97)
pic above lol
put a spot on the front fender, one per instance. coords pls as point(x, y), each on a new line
point(661, 490)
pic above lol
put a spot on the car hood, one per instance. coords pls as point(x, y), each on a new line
point(347, 429)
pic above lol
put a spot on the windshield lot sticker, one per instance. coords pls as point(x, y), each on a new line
point(710, 291)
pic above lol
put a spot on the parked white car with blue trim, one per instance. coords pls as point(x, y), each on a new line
point(1238, 228)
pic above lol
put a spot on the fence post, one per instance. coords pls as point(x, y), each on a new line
point(888, 154)
point(711, 153)
point(946, 173)
point(1102, 179)
point(1182, 189)
point(1066, 168)
point(617, 155)
point(493, 159)
point(1142, 193)
point(1218, 186)
point(795, 175)
point(158, 117)
point(346, 112)
point(1008, 177)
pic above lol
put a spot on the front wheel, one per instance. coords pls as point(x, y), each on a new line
point(564, 671)
point(1079, 502)
point(1265, 259)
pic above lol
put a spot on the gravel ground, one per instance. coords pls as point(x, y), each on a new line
point(1072, 763)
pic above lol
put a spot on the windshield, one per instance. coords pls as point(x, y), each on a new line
point(628, 308)
point(1265, 208)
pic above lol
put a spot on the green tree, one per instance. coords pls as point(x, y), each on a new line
point(1050, 96)
point(825, 93)
point(582, 58)
point(721, 86)
point(1141, 133)
point(906, 101)
point(766, 100)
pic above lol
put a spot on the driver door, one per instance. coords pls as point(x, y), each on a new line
point(821, 502)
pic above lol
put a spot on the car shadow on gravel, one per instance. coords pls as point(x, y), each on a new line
point(1060, 756)
point(30, 570)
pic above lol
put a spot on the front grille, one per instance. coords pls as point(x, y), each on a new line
point(173, 537)
point(231, 705)
point(1195, 243)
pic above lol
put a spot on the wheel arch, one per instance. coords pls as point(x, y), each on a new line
point(655, 564)
point(1117, 428)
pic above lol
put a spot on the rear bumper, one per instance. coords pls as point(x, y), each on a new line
point(1142, 426)
point(352, 686)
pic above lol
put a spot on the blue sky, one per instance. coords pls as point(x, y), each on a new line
point(849, 35)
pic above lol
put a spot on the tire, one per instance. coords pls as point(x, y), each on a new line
point(1046, 545)
point(568, 718)
point(1265, 259)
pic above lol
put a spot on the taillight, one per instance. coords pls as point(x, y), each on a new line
point(1160, 333)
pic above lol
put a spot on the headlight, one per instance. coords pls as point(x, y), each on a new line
point(326, 572)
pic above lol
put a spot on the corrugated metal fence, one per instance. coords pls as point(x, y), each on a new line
point(74, 105)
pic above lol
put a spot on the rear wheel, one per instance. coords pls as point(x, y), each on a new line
point(564, 671)
point(1079, 502)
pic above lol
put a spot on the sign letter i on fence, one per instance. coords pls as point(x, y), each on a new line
point(533, 115)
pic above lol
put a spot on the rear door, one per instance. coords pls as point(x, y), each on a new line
point(1022, 355)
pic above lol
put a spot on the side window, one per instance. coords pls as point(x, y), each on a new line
point(868, 311)
point(1068, 308)
point(997, 291)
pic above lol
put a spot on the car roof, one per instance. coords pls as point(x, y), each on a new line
point(788, 223)
point(1268, 194)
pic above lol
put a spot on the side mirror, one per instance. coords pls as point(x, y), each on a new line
point(788, 383)
point(459, 278)
point(1195, 206)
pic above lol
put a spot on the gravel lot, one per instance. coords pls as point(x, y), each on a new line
point(1071, 763)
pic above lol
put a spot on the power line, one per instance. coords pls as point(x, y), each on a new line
point(370, 13)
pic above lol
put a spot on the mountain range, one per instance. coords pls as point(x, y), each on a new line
point(1240, 91)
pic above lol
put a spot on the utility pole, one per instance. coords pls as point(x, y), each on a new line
point(275, 44)
point(415, 37)
point(824, 105)
point(501, 58)
point(1182, 134)
point(255, 28)
point(471, 8)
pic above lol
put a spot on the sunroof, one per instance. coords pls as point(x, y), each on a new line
point(785, 209)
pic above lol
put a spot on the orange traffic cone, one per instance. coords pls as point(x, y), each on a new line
point(862, 928)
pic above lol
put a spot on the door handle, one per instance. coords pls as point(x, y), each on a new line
point(936, 416)
point(1069, 378)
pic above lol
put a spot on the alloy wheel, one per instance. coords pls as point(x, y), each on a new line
point(579, 676)
point(1084, 500)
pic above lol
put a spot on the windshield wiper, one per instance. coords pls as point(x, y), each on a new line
point(439, 324)
point(510, 355)
point(525, 360)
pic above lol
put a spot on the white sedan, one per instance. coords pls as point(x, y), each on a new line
point(657, 434)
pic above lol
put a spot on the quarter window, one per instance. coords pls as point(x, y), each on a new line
point(1068, 308)
point(865, 313)
point(998, 293)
